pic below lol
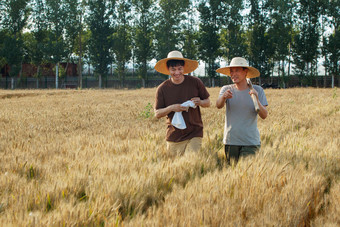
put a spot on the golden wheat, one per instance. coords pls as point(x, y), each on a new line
point(97, 157)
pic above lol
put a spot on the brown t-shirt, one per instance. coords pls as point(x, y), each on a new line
point(169, 93)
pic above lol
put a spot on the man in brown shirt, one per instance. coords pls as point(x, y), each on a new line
point(175, 91)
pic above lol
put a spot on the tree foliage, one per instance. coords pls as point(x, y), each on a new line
point(37, 47)
point(189, 36)
point(16, 14)
point(209, 42)
point(56, 18)
point(306, 42)
point(122, 38)
point(260, 49)
point(168, 26)
point(73, 24)
point(270, 34)
point(232, 34)
point(143, 35)
point(101, 41)
point(333, 50)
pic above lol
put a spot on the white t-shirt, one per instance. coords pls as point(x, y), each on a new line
point(241, 118)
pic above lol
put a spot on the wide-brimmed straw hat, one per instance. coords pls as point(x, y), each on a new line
point(239, 62)
point(189, 65)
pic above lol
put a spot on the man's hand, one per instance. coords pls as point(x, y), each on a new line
point(179, 108)
point(221, 100)
point(172, 108)
point(254, 92)
point(227, 94)
point(263, 113)
point(196, 101)
point(201, 102)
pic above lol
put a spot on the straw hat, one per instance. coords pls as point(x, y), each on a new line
point(189, 65)
point(239, 62)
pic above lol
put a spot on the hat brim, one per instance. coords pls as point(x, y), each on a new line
point(189, 65)
point(252, 72)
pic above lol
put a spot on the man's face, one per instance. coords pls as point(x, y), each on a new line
point(238, 74)
point(177, 73)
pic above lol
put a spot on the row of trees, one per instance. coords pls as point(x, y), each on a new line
point(272, 34)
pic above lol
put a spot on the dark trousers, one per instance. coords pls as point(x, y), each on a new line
point(234, 153)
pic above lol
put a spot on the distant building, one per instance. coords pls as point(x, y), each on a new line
point(46, 70)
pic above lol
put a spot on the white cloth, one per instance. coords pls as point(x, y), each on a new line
point(177, 120)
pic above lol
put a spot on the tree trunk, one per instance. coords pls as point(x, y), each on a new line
point(56, 75)
point(38, 74)
point(6, 77)
point(133, 64)
point(20, 72)
point(289, 61)
point(111, 71)
point(100, 81)
point(145, 72)
point(80, 74)
point(12, 83)
point(66, 68)
point(80, 68)
point(316, 74)
point(325, 79)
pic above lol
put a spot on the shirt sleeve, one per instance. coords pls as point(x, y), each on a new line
point(262, 96)
point(203, 93)
point(159, 103)
point(223, 89)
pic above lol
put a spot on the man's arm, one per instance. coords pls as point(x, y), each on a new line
point(162, 112)
point(263, 113)
point(205, 102)
point(201, 102)
point(221, 100)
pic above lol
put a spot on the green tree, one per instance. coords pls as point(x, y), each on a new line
point(260, 47)
point(100, 22)
point(15, 16)
point(56, 18)
point(37, 45)
point(280, 34)
point(122, 38)
point(2, 13)
point(2, 34)
point(74, 10)
point(77, 34)
point(13, 53)
point(306, 42)
point(189, 35)
point(2, 43)
point(209, 43)
point(333, 54)
point(232, 35)
point(330, 48)
point(168, 26)
point(333, 11)
point(144, 36)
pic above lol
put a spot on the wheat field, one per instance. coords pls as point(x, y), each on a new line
point(98, 158)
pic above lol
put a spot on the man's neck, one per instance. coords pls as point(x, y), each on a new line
point(178, 81)
point(242, 85)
